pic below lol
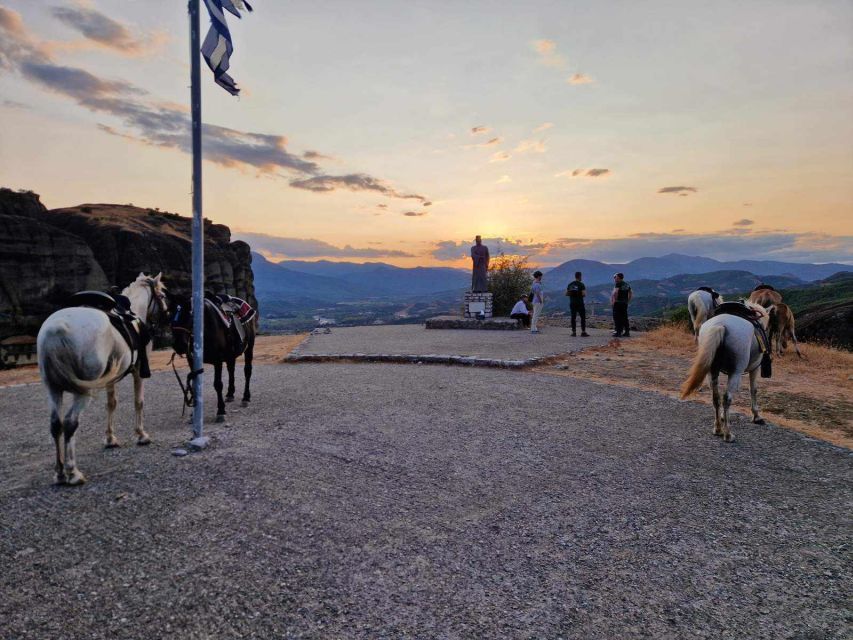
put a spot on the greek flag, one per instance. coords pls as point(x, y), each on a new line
point(217, 47)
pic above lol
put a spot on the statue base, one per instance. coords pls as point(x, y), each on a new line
point(478, 304)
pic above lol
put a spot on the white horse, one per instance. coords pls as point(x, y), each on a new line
point(700, 305)
point(79, 351)
point(728, 344)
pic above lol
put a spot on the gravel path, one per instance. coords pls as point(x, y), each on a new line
point(412, 339)
point(404, 501)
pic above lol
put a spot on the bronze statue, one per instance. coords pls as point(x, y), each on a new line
point(480, 272)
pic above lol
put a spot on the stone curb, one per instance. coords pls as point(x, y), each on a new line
point(431, 358)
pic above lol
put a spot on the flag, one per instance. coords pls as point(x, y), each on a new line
point(217, 46)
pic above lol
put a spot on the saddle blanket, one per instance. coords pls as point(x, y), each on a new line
point(229, 307)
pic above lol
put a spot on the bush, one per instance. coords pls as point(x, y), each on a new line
point(679, 317)
point(509, 278)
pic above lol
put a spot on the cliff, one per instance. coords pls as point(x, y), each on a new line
point(47, 255)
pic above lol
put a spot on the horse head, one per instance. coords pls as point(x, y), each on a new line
point(148, 296)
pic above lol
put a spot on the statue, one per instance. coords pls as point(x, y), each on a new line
point(480, 271)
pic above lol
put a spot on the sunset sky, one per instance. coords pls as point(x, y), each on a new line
point(396, 131)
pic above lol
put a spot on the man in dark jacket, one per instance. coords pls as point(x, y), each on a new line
point(577, 292)
point(620, 298)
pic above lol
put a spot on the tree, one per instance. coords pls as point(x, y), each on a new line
point(509, 279)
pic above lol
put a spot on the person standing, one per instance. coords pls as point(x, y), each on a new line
point(521, 312)
point(620, 298)
point(577, 292)
point(538, 301)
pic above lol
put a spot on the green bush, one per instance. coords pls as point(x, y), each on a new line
point(509, 278)
point(679, 317)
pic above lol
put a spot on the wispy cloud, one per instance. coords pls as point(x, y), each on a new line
point(492, 142)
point(503, 179)
point(104, 31)
point(543, 127)
point(167, 126)
point(500, 156)
point(479, 129)
point(414, 214)
point(679, 190)
point(281, 248)
point(547, 50)
point(354, 182)
point(743, 222)
point(14, 104)
point(580, 78)
point(531, 146)
point(584, 173)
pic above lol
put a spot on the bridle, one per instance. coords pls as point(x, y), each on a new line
point(157, 301)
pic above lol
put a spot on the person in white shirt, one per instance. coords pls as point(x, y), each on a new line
point(520, 312)
point(538, 301)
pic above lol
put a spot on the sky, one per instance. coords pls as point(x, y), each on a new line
point(397, 131)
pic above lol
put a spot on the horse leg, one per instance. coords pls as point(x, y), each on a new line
point(753, 394)
point(796, 345)
point(732, 385)
point(142, 438)
point(715, 392)
point(247, 371)
point(69, 430)
point(217, 384)
point(111, 440)
point(55, 401)
point(229, 396)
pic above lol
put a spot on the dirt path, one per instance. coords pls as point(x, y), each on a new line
point(811, 396)
point(268, 350)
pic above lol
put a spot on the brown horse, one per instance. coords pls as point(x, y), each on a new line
point(782, 328)
point(765, 296)
point(222, 345)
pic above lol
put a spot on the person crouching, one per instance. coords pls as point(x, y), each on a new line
point(520, 311)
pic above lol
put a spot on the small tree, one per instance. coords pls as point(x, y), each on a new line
point(509, 279)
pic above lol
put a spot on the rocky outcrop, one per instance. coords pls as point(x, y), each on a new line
point(830, 324)
point(46, 255)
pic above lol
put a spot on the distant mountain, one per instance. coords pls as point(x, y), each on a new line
point(274, 282)
point(380, 279)
point(675, 264)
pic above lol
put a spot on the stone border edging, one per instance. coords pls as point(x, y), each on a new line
point(431, 358)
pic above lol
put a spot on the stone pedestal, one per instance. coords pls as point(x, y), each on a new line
point(476, 302)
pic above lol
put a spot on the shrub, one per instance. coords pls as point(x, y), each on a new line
point(679, 317)
point(509, 278)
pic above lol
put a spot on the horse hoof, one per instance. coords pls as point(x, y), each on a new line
point(729, 437)
point(759, 421)
point(60, 479)
point(144, 440)
point(220, 418)
point(112, 444)
point(76, 479)
point(244, 403)
point(229, 398)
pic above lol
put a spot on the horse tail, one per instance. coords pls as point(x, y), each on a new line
point(709, 342)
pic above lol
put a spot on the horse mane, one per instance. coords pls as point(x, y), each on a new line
point(763, 286)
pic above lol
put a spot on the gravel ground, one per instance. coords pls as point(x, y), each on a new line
point(411, 339)
point(405, 501)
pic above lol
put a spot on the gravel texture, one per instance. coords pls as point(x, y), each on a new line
point(405, 501)
point(488, 348)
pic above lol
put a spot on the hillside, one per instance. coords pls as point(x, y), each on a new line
point(673, 264)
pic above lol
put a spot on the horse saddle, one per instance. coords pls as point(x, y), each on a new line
point(127, 323)
point(234, 313)
point(740, 310)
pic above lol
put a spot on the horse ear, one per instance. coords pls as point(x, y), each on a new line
point(141, 275)
point(158, 277)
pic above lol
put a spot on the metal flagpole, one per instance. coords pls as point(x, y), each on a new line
point(198, 229)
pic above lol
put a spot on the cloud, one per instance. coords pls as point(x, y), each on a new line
point(743, 222)
point(724, 245)
point(547, 50)
point(479, 129)
point(14, 104)
point(747, 204)
point(382, 206)
point(543, 127)
point(584, 173)
point(353, 182)
point(316, 155)
point(503, 179)
point(106, 32)
point(500, 156)
point(163, 125)
point(489, 143)
point(280, 248)
point(679, 190)
point(580, 78)
point(414, 214)
point(531, 146)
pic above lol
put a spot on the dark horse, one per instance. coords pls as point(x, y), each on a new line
point(222, 344)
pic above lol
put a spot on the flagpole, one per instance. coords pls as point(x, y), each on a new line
point(199, 439)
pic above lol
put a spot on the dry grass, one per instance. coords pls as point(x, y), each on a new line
point(268, 350)
point(810, 395)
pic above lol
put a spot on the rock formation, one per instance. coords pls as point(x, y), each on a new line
point(47, 255)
